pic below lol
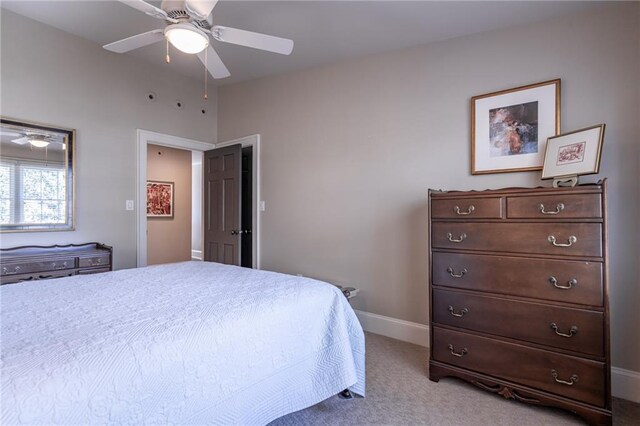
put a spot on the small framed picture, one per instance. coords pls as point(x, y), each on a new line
point(509, 128)
point(574, 153)
point(159, 199)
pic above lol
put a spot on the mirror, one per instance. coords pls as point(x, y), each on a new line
point(36, 177)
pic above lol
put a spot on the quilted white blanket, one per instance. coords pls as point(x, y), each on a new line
point(185, 343)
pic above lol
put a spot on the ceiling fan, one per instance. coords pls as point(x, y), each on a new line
point(188, 27)
point(39, 140)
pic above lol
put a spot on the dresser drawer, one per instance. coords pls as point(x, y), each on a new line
point(555, 206)
point(560, 280)
point(36, 266)
point(532, 367)
point(570, 239)
point(577, 330)
point(87, 262)
point(37, 276)
point(467, 208)
point(93, 271)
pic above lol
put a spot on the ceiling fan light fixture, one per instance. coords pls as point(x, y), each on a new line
point(38, 143)
point(186, 38)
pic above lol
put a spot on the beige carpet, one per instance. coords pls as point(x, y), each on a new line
point(399, 393)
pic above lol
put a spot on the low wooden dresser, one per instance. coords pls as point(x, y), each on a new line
point(38, 262)
point(518, 294)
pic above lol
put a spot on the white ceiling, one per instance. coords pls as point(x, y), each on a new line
point(323, 31)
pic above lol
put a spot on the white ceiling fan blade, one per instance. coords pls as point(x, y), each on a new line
point(199, 9)
point(4, 132)
point(147, 8)
point(21, 141)
point(269, 43)
point(213, 63)
point(135, 42)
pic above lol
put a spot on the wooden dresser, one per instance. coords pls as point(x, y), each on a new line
point(518, 294)
point(37, 262)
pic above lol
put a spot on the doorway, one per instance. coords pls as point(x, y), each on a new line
point(170, 205)
point(246, 210)
point(145, 138)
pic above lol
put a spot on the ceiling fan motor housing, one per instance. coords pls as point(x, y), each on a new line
point(177, 10)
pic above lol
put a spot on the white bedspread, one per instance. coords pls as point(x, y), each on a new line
point(185, 343)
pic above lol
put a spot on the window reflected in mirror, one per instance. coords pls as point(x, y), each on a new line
point(36, 177)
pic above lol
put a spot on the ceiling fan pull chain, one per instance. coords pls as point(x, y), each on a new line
point(205, 75)
point(168, 59)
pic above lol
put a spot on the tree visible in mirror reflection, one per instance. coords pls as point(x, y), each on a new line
point(39, 189)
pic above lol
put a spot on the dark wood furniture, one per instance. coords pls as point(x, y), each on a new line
point(31, 263)
point(518, 294)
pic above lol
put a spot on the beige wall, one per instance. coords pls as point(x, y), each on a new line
point(169, 239)
point(52, 77)
point(350, 149)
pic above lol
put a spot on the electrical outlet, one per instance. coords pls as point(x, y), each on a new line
point(263, 206)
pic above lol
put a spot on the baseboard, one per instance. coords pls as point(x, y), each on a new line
point(196, 254)
point(406, 331)
point(625, 384)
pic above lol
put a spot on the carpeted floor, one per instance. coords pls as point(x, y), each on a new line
point(399, 393)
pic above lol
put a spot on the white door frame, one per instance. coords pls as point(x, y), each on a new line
point(146, 137)
point(254, 141)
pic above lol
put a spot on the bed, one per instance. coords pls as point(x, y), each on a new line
point(182, 343)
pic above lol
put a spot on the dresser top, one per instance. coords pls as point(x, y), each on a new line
point(11, 254)
point(579, 189)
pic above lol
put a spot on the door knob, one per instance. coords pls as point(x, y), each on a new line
point(236, 232)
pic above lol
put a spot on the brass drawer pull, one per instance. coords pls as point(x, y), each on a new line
point(454, 240)
point(469, 210)
point(54, 265)
point(16, 270)
point(570, 283)
point(572, 380)
point(559, 208)
point(463, 352)
point(462, 312)
point(453, 273)
point(573, 330)
point(572, 239)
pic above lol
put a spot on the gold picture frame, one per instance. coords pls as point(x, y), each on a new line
point(509, 128)
point(574, 153)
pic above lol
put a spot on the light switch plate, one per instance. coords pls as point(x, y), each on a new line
point(263, 206)
point(129, 205)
